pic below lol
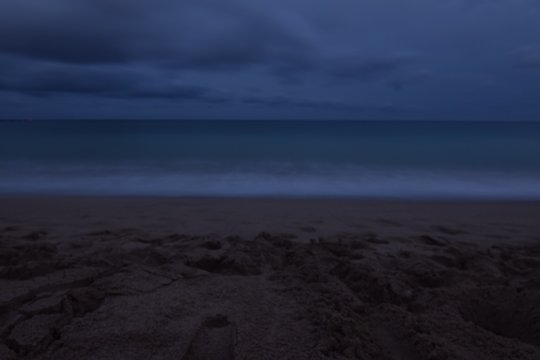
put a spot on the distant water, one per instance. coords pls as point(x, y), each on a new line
point(259, 158)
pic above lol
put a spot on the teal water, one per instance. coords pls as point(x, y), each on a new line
point(258, 158)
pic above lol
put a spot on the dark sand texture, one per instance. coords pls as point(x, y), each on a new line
point(165, 279)
point(214, 340)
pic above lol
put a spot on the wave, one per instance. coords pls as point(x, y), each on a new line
point(281, 180)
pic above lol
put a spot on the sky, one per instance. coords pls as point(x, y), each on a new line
point(270, 59)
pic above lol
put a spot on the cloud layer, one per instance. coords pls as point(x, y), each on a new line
point(355, 54)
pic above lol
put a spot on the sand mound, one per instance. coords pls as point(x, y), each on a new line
point(123, 294)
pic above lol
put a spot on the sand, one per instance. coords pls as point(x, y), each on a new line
point(173, 278)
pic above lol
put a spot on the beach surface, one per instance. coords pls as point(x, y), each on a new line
point(246, 278)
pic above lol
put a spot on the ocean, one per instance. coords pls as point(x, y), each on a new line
point(401, 159)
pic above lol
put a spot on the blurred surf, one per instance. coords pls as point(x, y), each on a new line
point(267, 158)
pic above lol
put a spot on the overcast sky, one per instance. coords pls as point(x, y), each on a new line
point(270, 59)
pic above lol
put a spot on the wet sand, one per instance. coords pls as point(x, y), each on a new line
point(177, 278)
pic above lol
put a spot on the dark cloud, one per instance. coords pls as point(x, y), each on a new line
point(282, 101)
point(67, 31)
point(90, 37)
point(367, 68)
point(43, 79)
point(180, 92)
point(205, 34)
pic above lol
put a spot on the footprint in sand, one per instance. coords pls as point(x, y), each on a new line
point(214, 340)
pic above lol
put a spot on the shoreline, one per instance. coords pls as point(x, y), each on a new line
point(305, 218)
point(412, 199)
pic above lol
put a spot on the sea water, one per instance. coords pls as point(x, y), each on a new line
point(272, 158)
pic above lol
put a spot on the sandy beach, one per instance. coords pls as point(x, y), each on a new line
point(208, 278)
